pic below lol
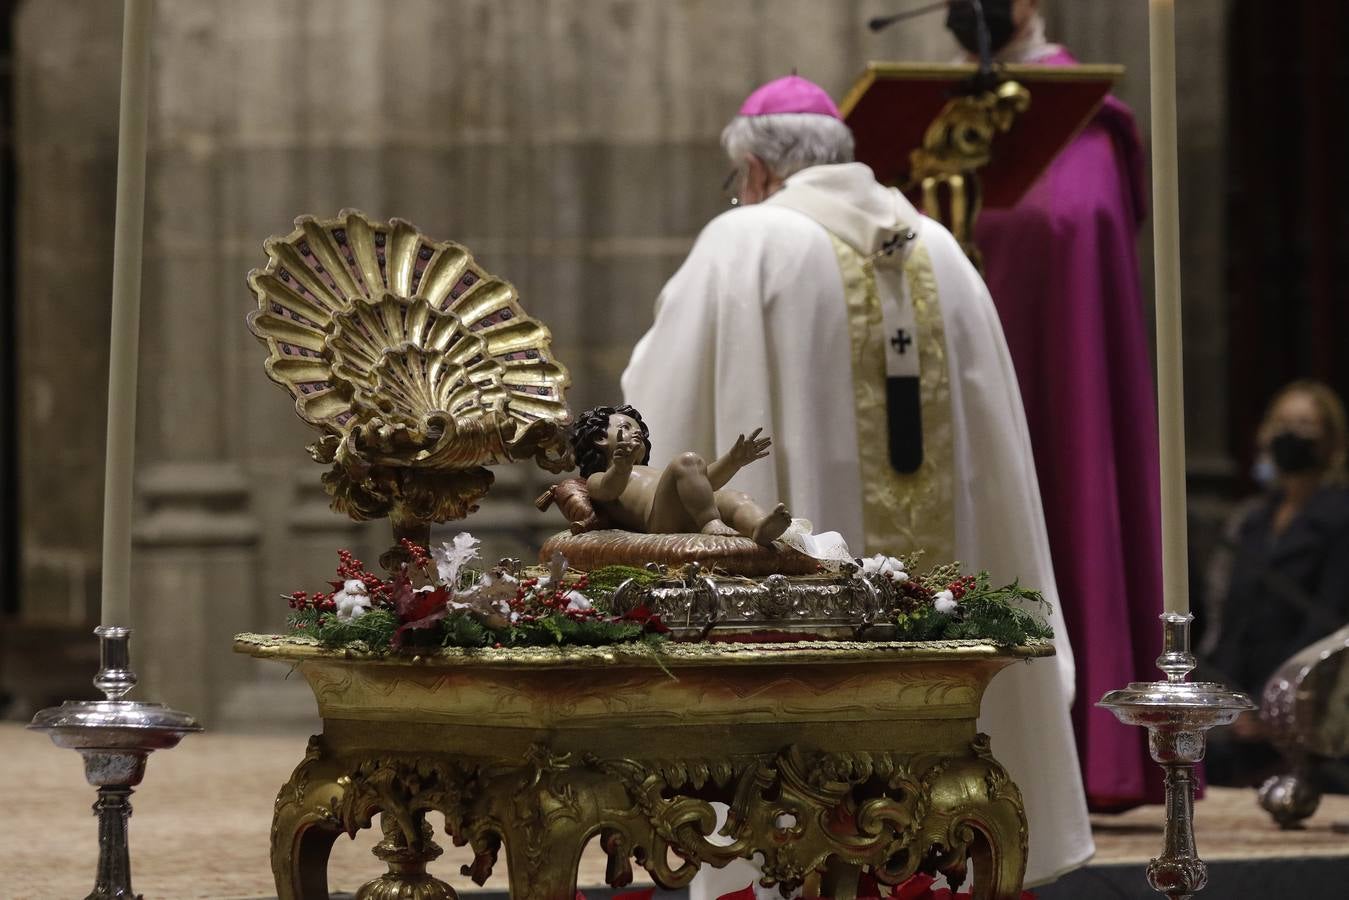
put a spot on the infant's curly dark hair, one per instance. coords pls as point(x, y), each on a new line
point(592, 425)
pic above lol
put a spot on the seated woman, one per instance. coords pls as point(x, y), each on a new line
point(687, 496)
point(1289, 570)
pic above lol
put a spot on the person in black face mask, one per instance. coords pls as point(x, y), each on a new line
point(1008, 20)
point(1288, 581)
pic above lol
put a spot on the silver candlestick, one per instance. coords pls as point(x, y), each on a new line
point(114, 736)
point(1177, 714)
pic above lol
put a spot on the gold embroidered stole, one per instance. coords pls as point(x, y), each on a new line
point(901, 513)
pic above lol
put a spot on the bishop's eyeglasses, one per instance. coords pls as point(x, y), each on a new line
point(730, 187)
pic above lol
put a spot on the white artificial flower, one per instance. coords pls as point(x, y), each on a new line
point(497, 579)
point(888, 566)
point(557, 569)
point(578, 602)
point(491, 592)
point(945, 602)
point(451, 557)
point(352, 600)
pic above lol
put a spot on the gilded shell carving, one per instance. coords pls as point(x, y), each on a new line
point(418, 366)
point(366, 320)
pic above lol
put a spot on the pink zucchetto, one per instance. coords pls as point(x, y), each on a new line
point(792, 94)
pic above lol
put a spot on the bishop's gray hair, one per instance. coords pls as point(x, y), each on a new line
point(788, 142)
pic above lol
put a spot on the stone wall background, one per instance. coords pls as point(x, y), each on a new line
point(571, 144)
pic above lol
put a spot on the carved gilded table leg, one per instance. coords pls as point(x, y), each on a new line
point(304, 827)
point(998, 853)
point(544, 811)
point(542, 865)
point(833, 759)
point(985, 825)
point(815, 817)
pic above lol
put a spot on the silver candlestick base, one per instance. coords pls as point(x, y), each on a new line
point(114, 736)
point(1177, 715)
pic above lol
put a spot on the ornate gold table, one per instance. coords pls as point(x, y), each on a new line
point(831, 755)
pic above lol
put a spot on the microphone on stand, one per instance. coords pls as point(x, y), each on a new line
point(880, 23)
point(986, 78)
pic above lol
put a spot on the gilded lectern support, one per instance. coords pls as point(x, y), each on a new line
point(957, 144)
point(960, 137)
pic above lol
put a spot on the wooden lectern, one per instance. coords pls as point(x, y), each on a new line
point(954, 148)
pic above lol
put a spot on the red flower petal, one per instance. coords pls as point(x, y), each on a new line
point(649, 621)
point(416, 609)
point(919, 887)
point(746, 894)
point(425, 622)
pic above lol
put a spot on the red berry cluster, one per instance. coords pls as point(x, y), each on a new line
point(317, 600)
point(963, 585)
point(417, 554)
point(348, 568)
point(533, 604)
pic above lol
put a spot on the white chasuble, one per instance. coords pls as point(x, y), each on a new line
point(776, 320)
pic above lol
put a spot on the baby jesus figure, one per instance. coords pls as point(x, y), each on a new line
point(687, 496)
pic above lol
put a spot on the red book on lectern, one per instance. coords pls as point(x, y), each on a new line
point(891, 105)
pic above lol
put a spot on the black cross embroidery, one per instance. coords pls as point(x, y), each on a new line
point(901, 341)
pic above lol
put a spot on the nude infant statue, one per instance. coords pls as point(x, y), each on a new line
point(687, 496)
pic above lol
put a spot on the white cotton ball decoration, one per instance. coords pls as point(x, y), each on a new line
point(352, 600)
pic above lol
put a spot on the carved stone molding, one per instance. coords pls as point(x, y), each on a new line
point(195, 505)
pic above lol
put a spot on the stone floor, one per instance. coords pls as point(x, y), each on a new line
point(200, 827)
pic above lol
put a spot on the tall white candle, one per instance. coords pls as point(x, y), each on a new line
point(128, 229)
point(1166, 252)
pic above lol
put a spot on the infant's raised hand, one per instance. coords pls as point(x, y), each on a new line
point(747, 450)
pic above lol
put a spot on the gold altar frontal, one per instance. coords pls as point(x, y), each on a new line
point(831, 755)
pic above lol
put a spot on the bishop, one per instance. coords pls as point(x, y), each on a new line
point(826, 308)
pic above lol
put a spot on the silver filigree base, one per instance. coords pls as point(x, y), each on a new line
point(1177, 714)
point(697, 604)
point(115, 736)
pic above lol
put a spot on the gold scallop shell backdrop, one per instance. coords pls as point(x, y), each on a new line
point(419, 368)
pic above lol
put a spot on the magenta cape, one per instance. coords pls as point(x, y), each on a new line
point(1063, 270)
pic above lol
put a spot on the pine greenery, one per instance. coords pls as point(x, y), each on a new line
point(1004, 616)
point(996, 615)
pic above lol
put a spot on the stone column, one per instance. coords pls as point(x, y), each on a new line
point(65, 86)
point(194, 582)
point(298, 521)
